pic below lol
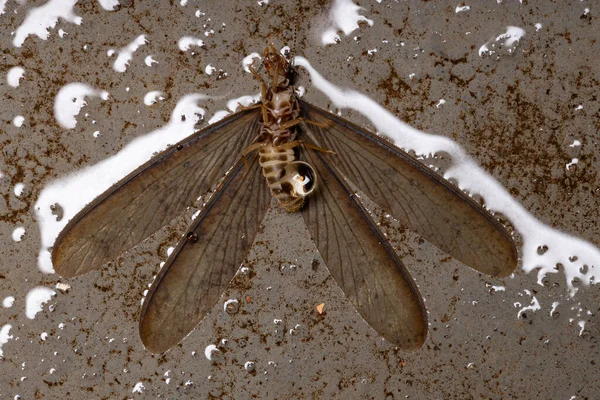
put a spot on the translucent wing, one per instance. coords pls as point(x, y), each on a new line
point(200, 268)
point(152, 195)
point(419, 198)
point(361, 260)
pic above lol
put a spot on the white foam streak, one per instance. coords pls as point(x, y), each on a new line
point(18, 190)
point(69, 100)
point(138, 388)
point(244, 101)
point(233, 105)
point(14, 76)
point(534, 306)
point(344, 17)
point(108, 5)
point(18, 233)
point(126, 53)
point(153, 97)
point(186, 42)
point(40, 19)
point(35, 299)
point(8, 301)
point(149, 61)
point(510, 39)
point(249, 60)
point(5, 336)
point(75, 191)
point(219, 115)
point(209, 70)
point(211, 351)
point(562, 247)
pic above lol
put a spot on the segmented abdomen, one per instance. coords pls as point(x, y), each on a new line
point(273, 161)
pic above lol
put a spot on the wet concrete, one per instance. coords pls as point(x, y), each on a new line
point(514, 113)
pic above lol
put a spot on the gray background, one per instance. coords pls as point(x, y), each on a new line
point(513, 113)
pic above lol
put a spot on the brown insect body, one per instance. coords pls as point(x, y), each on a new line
point(280, 116)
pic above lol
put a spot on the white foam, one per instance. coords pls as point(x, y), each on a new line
point(344, 16)
point(186, 42)
point(244, 101)
point(14, 76)
point(69, 100)
point(108, 5)
point(8, 301)
point(285, 51)
point(572, 163)
point(138, 388)
point(461, 9)
point(18, 190)
point(249, 60)
point(5, 336)
point(553, 309)
point(232, 302)
point(472, 178)
point(149, 61)
point(18, 233)
point(217, 116)
point(35, 298)
point(2, 6)
point(209, 70)
point(125, 54)
point(233, 105)
point(73, 192)
point(211, 351)
point(581, 325)
point(538, 26)
point(576, 143)
point(40, 19)
point(510, 39)
point(18, 121)
point(533, 306)
point(153, 97)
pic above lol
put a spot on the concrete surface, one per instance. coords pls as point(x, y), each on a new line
point(514, 113)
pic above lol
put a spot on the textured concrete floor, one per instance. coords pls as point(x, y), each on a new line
point(514, 113)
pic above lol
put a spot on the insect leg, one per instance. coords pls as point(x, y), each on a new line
point(297, 143)
point(253, 147)
point(275, 76)
point(257, 75)
point(243, 107)
point(248, 150)
point(299, 120)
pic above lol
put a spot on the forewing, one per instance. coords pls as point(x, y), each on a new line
point(197, 272)
point(422, 200)
point(152, 195)
point(361, 260)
